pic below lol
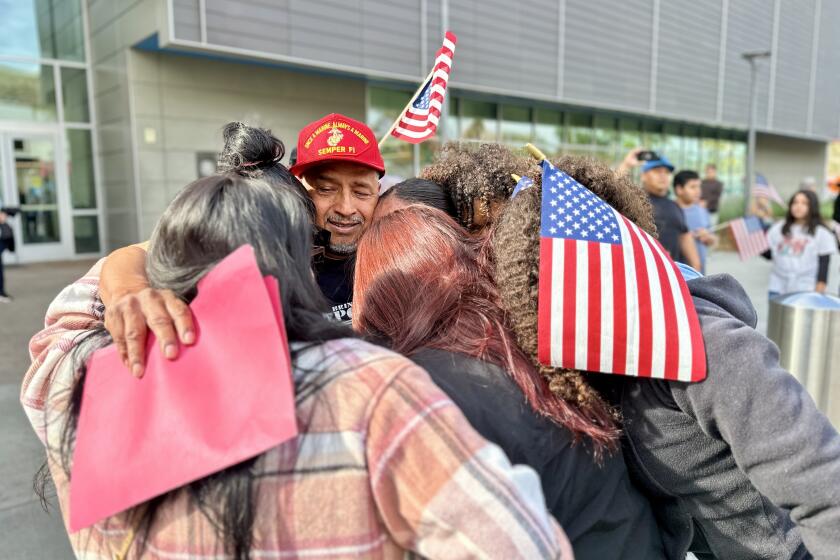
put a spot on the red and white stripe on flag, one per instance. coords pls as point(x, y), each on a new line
point(420, 118)
point(749, 237)
point(611, 300)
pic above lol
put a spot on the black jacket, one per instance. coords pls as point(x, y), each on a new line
point(604, 516)
point(741, 466)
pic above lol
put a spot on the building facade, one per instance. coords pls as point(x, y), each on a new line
point(109, 107)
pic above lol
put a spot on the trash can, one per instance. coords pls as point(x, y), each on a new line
point(806, 327)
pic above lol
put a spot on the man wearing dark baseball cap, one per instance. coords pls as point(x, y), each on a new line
point(339, 162)
point(670, 221)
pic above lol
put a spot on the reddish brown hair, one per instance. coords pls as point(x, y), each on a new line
point(421, 284)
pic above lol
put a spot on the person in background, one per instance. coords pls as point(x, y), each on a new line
point(687, 194)
point(711, 190)
point(385, 465)
point(422, 289)
point(671, 228)
point(739, 466)
point(7, 242)
point(800, 247)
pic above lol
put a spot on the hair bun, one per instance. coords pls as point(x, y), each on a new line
point(248, 148)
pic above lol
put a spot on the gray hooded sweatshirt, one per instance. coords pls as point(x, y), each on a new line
point(741, 465)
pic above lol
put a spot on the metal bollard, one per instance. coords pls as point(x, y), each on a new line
point(806, 327)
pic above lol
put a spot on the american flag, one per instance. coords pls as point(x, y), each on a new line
point(749, 237)
point(419, 120)
point(611, 300)
point(763, 189)
point(522, 184)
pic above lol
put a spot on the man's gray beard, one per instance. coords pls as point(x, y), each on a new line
point(343, 248)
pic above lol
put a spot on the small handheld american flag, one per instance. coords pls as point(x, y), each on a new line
point(749, 237)
point(611, 300)
point(419, 119)
point(763, 189)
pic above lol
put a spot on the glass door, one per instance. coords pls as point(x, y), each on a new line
point(34, 186)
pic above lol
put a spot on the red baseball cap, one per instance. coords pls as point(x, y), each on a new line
point(337, 138)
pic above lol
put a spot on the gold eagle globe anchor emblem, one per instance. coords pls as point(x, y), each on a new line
point(335, 137)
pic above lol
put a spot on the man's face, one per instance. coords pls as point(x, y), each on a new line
point(656, 181)
point(345, 196)
point(689, 193)
point(711, 172)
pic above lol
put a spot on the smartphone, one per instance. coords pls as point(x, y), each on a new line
point(647, 155)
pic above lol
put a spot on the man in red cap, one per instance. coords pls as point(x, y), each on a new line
point(338, 160)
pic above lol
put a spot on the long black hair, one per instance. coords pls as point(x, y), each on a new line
point(422, 191)
point(208, 220)
point(812, 220)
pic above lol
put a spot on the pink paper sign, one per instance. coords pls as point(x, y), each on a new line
point(227, 398)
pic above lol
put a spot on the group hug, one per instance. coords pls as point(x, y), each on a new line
point(428, 424)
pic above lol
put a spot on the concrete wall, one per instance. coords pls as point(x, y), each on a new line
point(115, 25)
point(180, 104)
point(786, 161)
point(677, 59)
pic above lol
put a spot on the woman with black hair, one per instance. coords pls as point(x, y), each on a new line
point(384, 464)
point(800, 247)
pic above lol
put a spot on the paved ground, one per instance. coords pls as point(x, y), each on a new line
point(26, 531)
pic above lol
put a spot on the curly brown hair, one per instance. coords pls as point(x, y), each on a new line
point(515, 245)
point(483, 174)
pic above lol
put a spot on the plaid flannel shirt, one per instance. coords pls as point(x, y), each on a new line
point(385, 466)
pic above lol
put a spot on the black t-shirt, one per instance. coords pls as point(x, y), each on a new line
point(335, 278)
point(602, 513)
point(670, 221)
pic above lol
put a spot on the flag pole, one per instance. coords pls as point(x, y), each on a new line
point(535, 152)
point(399, 116)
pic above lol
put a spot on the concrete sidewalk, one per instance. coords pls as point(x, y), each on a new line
point(26, 531)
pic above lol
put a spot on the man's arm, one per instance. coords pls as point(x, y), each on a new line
point(689, 251)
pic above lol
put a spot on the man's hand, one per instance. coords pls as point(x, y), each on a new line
point(630, 161)
point(820, 289)
point(130, 317)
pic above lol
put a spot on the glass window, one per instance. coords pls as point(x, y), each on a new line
point(384, 106)
point(739, 168)
point(691, 149)
point(673, 146)
point(34, 161)
point(478, 120)
point(653, 139)
point(86, 234)
point(630, 136)
point(606, 131)
point(579, 127)
point(548, 134)
point(516, 124)
point(74, 94)
point(43, 29)
point(80, 169)
point(709, 148)
point(27, 92)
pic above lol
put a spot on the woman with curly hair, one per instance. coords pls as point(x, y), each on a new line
point(421, 289)
point(478, 180)
point(741, 465)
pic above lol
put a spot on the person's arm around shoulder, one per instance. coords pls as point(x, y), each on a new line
point(444, 492)
point(778, 437)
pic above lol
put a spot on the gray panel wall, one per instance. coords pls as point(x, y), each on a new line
point(689, 54)
point(793, 66)
point(590, 52)
point(827, 98)
point(608, 53)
